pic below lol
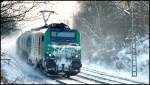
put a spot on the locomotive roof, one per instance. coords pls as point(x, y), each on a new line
point(55, 27)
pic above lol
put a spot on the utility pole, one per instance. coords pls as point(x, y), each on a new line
point(134, 55)
point(133, 37)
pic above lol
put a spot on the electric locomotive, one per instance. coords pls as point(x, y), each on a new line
point(54, 48)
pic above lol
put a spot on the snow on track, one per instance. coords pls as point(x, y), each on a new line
point(103, 75)
point(85, 80)
point(99, 79)
point(68, 81)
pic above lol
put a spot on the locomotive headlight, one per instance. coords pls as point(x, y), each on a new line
point(50, 55)
point(76, 56)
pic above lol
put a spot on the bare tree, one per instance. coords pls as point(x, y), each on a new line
point(12, 12)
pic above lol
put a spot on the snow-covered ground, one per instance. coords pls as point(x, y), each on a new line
point(125, 60)
point(17, 70)
point(123, 74)
point(118, 62)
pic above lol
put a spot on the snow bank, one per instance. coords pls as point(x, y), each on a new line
point(122, 65)
point(17, 70)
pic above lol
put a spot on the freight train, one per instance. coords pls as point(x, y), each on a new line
point(54, 48)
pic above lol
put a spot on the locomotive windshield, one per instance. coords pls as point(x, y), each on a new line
point(63, 37)
point(63, 34)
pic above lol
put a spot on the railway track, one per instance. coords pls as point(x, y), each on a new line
point(112, 78)
point(89, 80)
point(68, 81)
point(98, 79)
point(78, 79)
point(63, 80)
point(90, 76)
point(74, 80)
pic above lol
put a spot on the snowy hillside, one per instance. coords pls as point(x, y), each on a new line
point(122, 64)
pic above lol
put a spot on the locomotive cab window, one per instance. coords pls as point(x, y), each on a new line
point(63, 34)
point(63, 37)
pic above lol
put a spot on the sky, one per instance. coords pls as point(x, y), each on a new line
point(65, 10)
